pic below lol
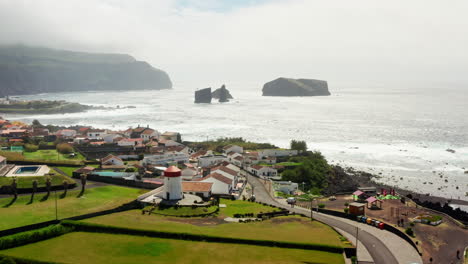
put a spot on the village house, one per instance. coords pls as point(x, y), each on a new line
point(211, 160)
point(226, 172)
point(165, 158)
point(189, 172)
point(168, 143)
point(112, 160)
point(202, 189)
point(238, 161)
point(233, 148)
point(66, 133)
point(40, 132)
point(130, 142)
point(3, 161)
point(251, 158)
point(221, 185)
point(175, 136)
point(266, 171)
point(95, 134)
point(286, 186)
point(110, 137)
point(14, 133)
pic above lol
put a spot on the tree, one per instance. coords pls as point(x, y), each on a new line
point(30, 148)
point(34, 189)
point(36, 124)
point(48, 185)
point(65, 188)
point(83, 178)
point(14, 188)
point(64, 148)
point(299, 145)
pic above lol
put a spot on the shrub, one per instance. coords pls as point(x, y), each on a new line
point(130, 169)
point(321, 205)
point(30, 148)
point(346, 204)
point(64, 148)
point(411, 224)
point(346, 210)
point(354, 259)
point(33, 236)
point(409, 231)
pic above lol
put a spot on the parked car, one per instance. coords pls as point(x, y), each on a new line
point(291, 200)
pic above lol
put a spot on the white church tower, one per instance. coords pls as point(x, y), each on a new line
point(173, 183)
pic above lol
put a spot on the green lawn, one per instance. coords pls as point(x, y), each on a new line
point(186, 211)
point(22, 212)
point(26, 182)
point(51, 154)
point(285, 228)
point(68, 170)
point(243, 207)
point(80, 247)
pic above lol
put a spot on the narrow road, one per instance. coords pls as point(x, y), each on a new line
point(377, 249)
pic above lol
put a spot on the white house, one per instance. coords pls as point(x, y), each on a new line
point(221, 184)
point(66, 133)
point(170, 136)
point(188, 173)
point(148, 134)
point(234, 168)
point(79, 140)
point(226, 172)
point(277, 153)
point(233, 148)
point(286, 186)
point(3, 161)
point(130, 142)
point(95, 133)
point(238, 161)
point(112, 160)
point(210, 160)
point(259, 170)
point(109, 138)
point(169, 143)
point(202, 189)
point(165, 158)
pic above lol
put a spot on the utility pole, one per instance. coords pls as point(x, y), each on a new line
point(357, 240)
point(311, 210)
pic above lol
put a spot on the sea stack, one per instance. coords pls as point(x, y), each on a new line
point(295, 87)
point(203, 96)
point(222, 94)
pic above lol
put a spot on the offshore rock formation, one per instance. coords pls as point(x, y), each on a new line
point(222, 94)
point(203, 96)
point(295, 87)
point(33, 70)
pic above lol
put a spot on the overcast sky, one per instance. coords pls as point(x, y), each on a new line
point(209, 42)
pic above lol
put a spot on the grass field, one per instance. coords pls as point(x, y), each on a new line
point(68, 170)
point(243, 207)
point(287, 228)
point(26, 182)
point(80, 247)
point(22, 212)
point(186, 211)
point(51, 154)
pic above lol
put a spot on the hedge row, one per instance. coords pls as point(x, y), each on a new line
point(89, 227)
point(15, 260)
point(33, 236)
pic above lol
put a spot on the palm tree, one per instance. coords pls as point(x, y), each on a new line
point(48, 185)
point(34, 189)
point(65, 188)
point(83, 182)
point(14, 188)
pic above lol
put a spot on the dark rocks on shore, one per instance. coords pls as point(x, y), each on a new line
point(222, 94)
point(295, 87)
point(450, 150)
point(203, 96)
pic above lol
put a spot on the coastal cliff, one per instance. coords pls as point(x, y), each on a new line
point(295, 87)
point(32, 70)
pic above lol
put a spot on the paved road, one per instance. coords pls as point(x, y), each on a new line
point(377, 249)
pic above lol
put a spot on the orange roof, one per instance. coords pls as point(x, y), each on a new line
point(188, 186)
point(172, 171)
point(218, 177)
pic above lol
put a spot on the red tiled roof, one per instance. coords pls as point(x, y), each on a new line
point(225, 169)
point(358, 193)
point(257, 167)
point(110, 156)
point(218, 177)
point(239, 158)
point(2, 158)
point(148, 131)
point(189, 186)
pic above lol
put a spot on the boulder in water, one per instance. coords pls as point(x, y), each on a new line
point(222, 94)
point(203, 96)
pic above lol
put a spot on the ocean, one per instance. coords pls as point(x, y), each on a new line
point(401, 134)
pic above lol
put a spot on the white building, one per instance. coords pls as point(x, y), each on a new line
point(266, 171)
point(226, 172)
point(148, 134)
point(202, 189)
point(66, 133)
point(172, 184)
point(171, 136)
point(112, 160)
point(210, 160)
point(233, 148)
point(286, 186)
point(109, 138)
point(95, 133)
point(221, 184)
point(277, 153)
point(188, 173)
point(130, 142)
point(165, 158)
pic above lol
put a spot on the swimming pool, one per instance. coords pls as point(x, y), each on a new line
point(113, 174)
point(27, 170)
